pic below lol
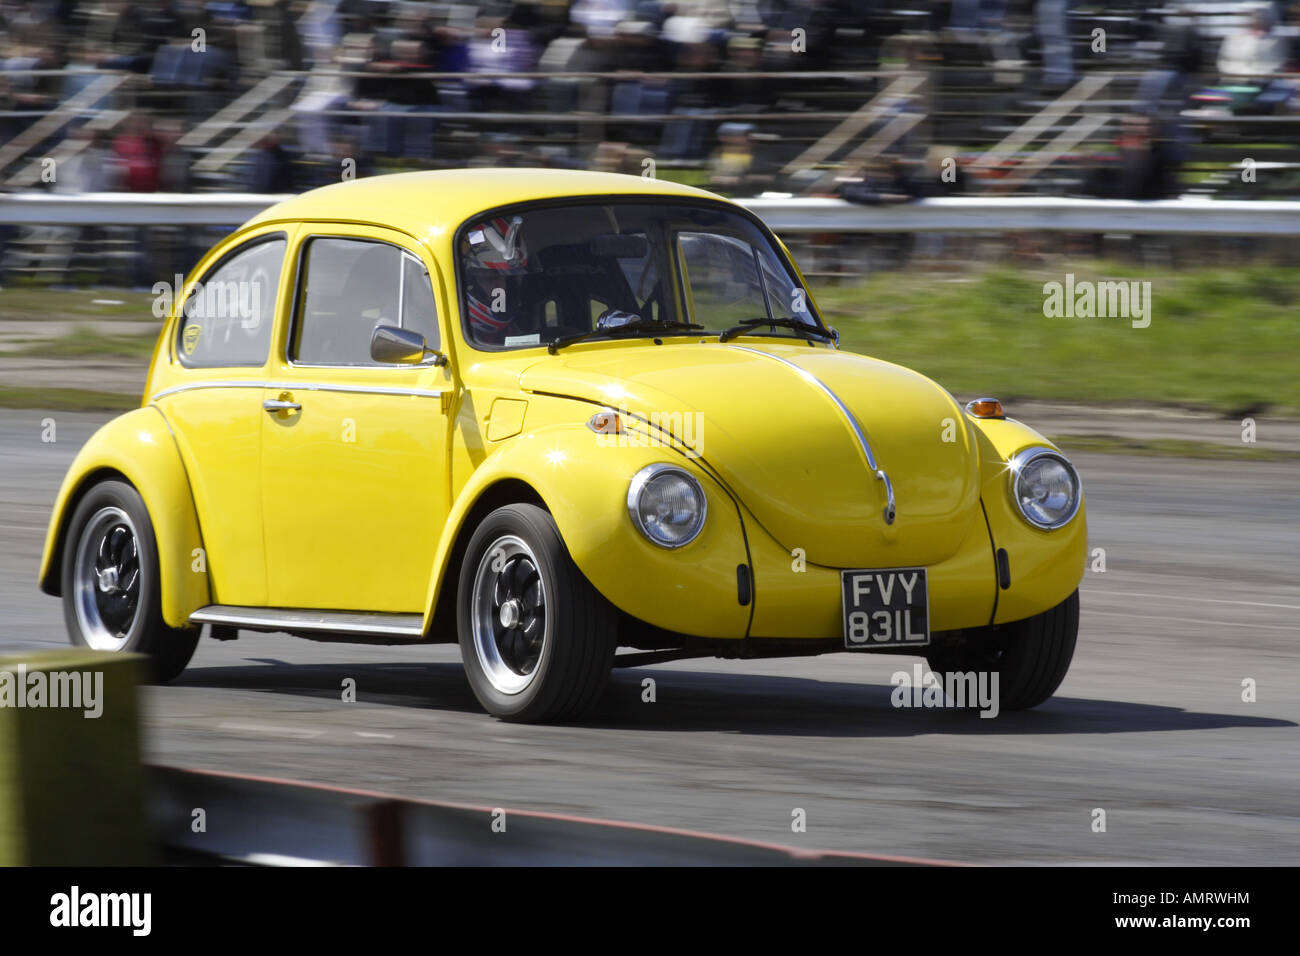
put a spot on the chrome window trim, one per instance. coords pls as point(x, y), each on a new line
point(1023, 457)
point(304, 387)
point(891, 510)
point(386, 366)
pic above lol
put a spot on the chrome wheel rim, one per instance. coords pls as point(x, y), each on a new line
point(509, 614)
point(106, 579)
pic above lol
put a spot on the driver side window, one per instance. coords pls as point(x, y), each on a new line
point(347, 287)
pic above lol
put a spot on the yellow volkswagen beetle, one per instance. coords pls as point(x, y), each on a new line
point(547, 414)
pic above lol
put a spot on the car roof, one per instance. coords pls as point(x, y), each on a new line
point(425, 204)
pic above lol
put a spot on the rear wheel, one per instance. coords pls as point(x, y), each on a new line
point(112, 598)
point(536, 638)
point(1030, 657)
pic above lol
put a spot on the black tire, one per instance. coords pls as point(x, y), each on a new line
point(561, 670)
point(1030, 657)
point(125, 616)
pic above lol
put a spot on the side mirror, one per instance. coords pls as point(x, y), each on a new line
point(394, 346)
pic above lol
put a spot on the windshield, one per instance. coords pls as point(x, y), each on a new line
point(535, 275)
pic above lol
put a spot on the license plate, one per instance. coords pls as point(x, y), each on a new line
point(886, 608)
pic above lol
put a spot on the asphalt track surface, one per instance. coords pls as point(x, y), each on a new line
point(1201, 591)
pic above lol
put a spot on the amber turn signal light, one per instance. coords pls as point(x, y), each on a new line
point(986, 408)
point(606, 423)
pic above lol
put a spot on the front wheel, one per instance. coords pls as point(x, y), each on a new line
point(1030, 657)
point(536, 638)
point(112, 596)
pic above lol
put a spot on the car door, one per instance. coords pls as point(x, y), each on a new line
point(212, 400)
point(354, 452)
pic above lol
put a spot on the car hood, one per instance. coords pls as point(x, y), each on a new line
point(771, 420)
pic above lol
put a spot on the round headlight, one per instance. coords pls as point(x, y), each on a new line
point(1045, 487)
point(667, 505)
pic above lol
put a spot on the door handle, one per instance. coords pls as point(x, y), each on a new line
point(279, 405)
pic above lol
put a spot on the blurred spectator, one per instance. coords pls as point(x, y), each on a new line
point(283, 43)
point(601, 17)
point(498, 149)
point(613, 157)
point(92, 167)
point(140, 154)
point(744, 90)
point(1246, 60)
point(325, 91)
point(176, 163)
point(128, 33)
point(272, 170)
point(177, 248)
point(684, 139)
point(977, 14)
point(734, 168)
point(1166, 89)
point(1164, 93)
point(507, 48)
point(1145, 165)
point(1256, 50)
point(345, 160)
point(1054, 35)
point(29, 22)
point(551, 157)
point(6, 233)
point(885, 179)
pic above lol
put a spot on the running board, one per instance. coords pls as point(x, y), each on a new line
point(317, 625)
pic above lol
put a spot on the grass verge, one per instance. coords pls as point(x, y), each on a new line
point(1171, 448)
point(1221, 340)
point(67, 399)
point(85, 341)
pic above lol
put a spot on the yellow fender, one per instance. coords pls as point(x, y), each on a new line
point(139, 446)
point(584, 486)
point(1046, 566)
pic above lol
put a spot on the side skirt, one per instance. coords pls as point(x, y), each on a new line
point(344, 626)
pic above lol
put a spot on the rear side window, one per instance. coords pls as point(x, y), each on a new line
point(227, 318)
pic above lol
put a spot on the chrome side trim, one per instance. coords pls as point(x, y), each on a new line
point(197, 385)
point(293, 619)
point(890, 511)
point(304, 387)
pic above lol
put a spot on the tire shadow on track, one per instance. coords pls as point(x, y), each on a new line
point(689, 701)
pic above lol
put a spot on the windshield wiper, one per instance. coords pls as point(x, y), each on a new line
point(748, 325)
point(639, 325)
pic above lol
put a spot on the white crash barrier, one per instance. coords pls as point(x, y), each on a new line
point(786, 215)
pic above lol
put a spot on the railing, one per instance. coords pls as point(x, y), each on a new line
point(786, 216)
point(268, 822)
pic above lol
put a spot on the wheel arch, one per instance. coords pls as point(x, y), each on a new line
point(1045, 566)
point(583, 484)
point(440, 622)
point(138, 448)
